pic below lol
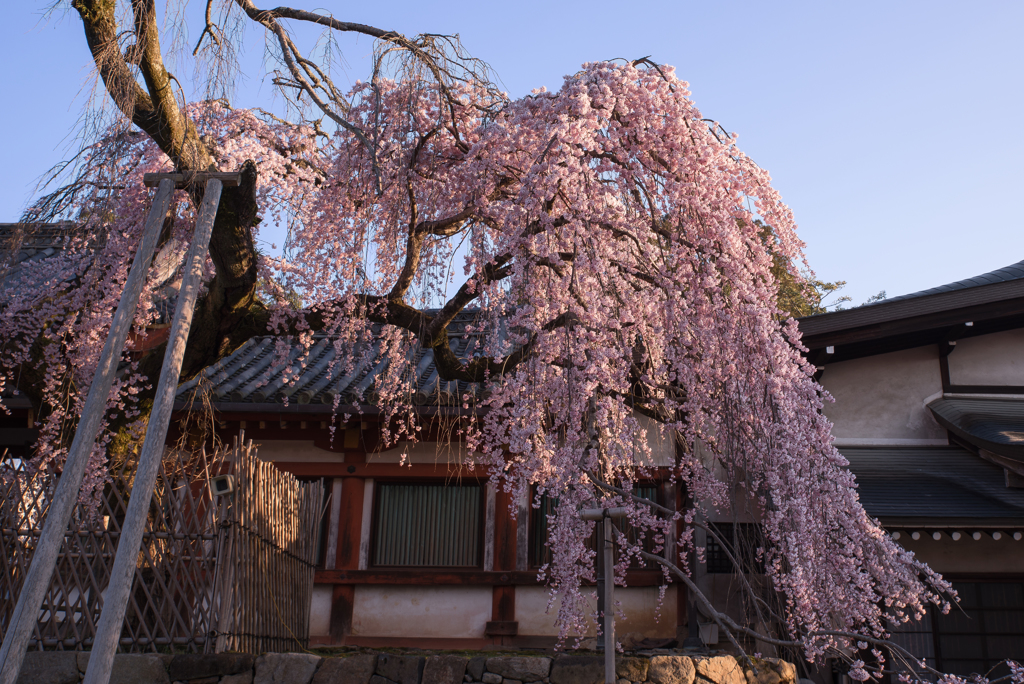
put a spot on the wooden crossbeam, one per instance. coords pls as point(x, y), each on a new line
point(228, 179)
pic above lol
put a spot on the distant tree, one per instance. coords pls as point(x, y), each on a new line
point(608, 227)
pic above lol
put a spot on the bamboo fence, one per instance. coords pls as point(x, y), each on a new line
point(214, 573)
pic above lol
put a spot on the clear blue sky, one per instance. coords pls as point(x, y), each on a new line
point(893, 129)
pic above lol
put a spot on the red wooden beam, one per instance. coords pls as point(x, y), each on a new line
point(347, 469)
point(450, 576)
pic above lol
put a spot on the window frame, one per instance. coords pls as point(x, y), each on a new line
point(427, 482)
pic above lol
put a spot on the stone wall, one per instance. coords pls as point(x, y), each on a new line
point(389, 668)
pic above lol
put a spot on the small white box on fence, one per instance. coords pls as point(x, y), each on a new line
point(222, 485)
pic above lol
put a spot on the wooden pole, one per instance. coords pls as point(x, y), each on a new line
point(26, 612)
point(108, 631)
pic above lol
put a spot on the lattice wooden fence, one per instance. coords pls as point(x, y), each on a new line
point(206, 569)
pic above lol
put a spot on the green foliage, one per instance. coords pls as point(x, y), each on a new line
point(804, 295)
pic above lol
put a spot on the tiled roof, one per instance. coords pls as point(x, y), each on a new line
point(937, 483)
point(22, 243)
point(1000, 275)
point(27, 242)
point(254, 374)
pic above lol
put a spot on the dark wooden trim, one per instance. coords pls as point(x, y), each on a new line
point(10, 437)
point(439, 643)
point(981, 301)
point(503, 604)
point(939, 321)
point(449, 576)
point(985, 389)
point(983, 577)
point(944, 351)
point(504, 531)
point(342, 603)
point(243, 410)
point(501, 628)
point(968, 524)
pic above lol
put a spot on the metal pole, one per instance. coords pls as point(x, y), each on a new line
point(26, 613)
point(111, 621)
point(609, 604)
point(599, 562)
point(606, 582)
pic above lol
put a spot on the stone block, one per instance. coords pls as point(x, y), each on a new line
point(357, 669)
point(631, 668)
point(49, 667)
point(671, 670)
point(400, 669)
point(786, 670)
point(511, 681)
point(205, 680)
point(377, 679)
point(188, 666)
point(491, 678)
point(568, 669)
point(623, 681)
point(240, 678)
point(772, 671)
point(720, 670)
point(444, 669)
point(764, 675)
point(475, 668)
point(520, 668)
point(286, 668)
point(132, 668)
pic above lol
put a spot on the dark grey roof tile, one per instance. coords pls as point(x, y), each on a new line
point(938, 483)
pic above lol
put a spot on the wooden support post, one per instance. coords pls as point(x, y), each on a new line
point(331, 553)
point(122, 576)
point(26, 612)
point(503, 598)
point(489, 501)
point(347, 556)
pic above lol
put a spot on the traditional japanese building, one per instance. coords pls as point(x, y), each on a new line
point(418, 549)
point(929, 410)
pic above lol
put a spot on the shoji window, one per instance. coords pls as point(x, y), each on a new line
point(428, 525)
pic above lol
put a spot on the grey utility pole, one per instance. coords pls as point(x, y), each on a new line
point(604, 516)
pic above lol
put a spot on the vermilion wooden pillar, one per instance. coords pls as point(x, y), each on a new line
point(349, 529)
point(503, 605)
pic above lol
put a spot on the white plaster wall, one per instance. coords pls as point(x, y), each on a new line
point(638, 604)
point(996, 359)
point(320, 610)
point(660, 442)
point(283, 450)
point(444, 453)
point(968, 556)
point(420, 611)
point(881, 399)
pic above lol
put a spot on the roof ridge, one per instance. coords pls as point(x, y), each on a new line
point(1014, 271)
